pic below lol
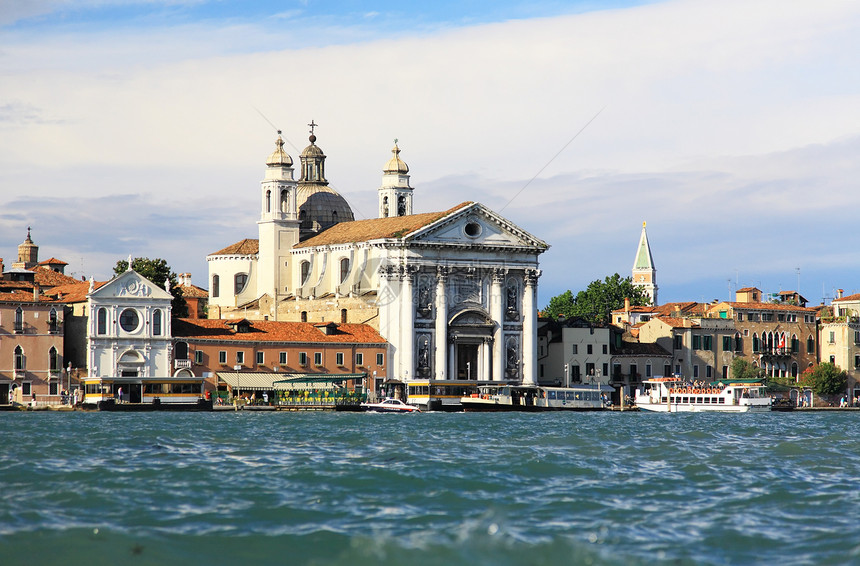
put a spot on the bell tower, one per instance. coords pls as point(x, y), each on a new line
point(644, 272)
point(395, 194)
point(278, 225)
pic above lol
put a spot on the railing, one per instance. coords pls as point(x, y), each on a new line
point(181, 364)
point(19, 327)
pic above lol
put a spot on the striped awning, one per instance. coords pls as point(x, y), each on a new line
point(284, 381)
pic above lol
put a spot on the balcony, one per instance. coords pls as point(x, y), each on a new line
point(19, 327)
point(181, 364)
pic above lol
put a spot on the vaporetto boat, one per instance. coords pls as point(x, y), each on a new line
point(532, 398)
point(670, 395)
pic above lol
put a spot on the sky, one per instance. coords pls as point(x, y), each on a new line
point(141, 127)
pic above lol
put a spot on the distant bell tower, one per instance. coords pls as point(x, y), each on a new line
point(28, 253)
point(644, 272)
point(395, 194)
point(279, 224)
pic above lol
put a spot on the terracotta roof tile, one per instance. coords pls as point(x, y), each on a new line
point(193, 291)
point(377, 228)
point(767, 306)
point(73, 292)
point(854, 297)
point(247, 246)
point(274, 331)
point(52, 261)
point(47, 277)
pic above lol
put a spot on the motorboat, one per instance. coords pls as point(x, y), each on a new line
point(390, 405)
point(671, 395)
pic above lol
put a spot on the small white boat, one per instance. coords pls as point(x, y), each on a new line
point(390, 405)
point(671, 395)
point(532, 398)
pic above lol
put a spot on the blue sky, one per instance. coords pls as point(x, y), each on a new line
point(732, 128)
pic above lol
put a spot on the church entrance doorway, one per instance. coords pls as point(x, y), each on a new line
point(467, 361)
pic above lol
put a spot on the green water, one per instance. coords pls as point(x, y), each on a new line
point(433, 488)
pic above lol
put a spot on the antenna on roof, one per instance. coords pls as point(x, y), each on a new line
point(277, 129)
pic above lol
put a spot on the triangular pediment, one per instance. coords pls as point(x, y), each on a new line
point(476, 225)
point(130, 285)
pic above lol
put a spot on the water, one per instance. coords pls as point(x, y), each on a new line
point(331, 488)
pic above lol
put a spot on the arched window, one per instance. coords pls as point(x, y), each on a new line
point(19, 358)
point(739, 342)
point(795, 344)
point(180, 351)
point(344, 269)
point(401, 205)
point(53, 324)
point(216, 281)
point(794, 369)
point(268, 201)
point(755, 344)
point(53, 360)
point(343, 316)
point(305, 271)
point(19, 319)
point(156, 322)
point(810, 345)
point(285, 201)
point(385, 207)
point(239, 282)
point(334, 216)
point(101, 321)
point(304, 316)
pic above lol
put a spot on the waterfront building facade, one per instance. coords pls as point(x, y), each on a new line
point(839, 338)
point(454, 292)
point(781, 338)
point(701, 348)
point(230, 352)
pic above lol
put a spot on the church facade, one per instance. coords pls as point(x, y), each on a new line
point(453, 292)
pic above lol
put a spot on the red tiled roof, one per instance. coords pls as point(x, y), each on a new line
point(377, 228)
point(247, 246)
point(47, 277)
point(274, 331)
point(854, 297)
point(676, 322)
point(747, 289)
point(766, 306)
point(193, 291)
point(73, 292)
point(52, 261)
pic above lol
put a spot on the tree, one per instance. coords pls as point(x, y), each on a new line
point(598, 300)
point(825, 379)
point(742, 369)
point(157, 271)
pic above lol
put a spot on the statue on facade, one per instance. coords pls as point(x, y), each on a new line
point(512, 357)
point(512, 311)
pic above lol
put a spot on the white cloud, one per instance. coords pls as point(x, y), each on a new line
point(718, 118)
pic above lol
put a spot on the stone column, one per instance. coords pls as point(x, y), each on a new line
point(441, 362)
point(452, 360)
point(497, 312)
point(407, 328)
point(530, 327)
point(486, 362)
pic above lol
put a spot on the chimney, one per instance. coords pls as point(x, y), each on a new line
point(839, 293)
point(627, 305)
point(36, 293)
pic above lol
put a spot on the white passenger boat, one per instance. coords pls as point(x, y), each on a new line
point(670, 395)
point(533, 398)
point(390, 405)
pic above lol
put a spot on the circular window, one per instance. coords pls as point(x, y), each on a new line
point(129, 320)
point(472, 229)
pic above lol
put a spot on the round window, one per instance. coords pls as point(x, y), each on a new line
point(129, 320)
point(472, 229)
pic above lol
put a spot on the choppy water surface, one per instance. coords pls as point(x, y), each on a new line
point(241, 488)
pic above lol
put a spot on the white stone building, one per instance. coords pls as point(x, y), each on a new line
point(128, 331)
point(454, 292)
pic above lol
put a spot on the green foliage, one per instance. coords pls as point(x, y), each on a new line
point(742, 369)
point(157, 271)
point(598, 300)
point(825, 379)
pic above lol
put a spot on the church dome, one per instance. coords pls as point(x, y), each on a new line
point(279, 157)
point(319, 206)
point(395, 164)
